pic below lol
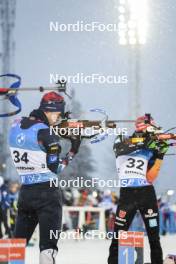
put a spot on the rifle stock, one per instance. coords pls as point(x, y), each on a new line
point(96, 124)
point(159, 137)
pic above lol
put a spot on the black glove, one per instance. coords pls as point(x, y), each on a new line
point(75, 143)
point(163, 148)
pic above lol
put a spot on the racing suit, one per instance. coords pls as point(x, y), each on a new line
point(35, 153)
point(137, 167)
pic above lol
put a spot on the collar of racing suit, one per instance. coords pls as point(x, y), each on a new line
point(36, 116)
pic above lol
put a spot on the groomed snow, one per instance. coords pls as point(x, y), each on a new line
point(92, 251)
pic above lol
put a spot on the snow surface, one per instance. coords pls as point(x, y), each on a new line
point(92, 251)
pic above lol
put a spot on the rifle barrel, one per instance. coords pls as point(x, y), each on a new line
point(27, 89)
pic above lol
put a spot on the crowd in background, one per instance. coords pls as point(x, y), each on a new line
point(109, 201)
point(78, 198)
point(8, 207)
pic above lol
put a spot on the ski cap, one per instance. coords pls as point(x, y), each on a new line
point(52, 102)
point(143, 122)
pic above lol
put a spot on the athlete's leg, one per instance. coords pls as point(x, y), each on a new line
point(50, 217)
point(25, 224)
point(124, 216)
point(150, 215)
point(26, 218)
point(48, 256)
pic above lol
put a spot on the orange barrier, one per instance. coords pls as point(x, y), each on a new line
point(12, 251)
point(134, 239)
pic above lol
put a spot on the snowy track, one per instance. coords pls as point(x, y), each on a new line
point(91, 252)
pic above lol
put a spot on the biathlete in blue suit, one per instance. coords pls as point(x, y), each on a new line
point(36, 155)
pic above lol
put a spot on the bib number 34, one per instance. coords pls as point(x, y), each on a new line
point(18, 157)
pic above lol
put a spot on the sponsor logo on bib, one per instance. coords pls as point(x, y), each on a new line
point(20, 139)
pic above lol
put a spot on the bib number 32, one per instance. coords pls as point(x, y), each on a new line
point(135, 163)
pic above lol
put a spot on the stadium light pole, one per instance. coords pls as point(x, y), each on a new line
point(132, 32)
point(7, 24)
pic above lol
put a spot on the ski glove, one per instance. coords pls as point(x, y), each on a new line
point(163, 147)
point(152, 145)
point(75, 143)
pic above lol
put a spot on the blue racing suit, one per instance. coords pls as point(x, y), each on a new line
point(35, 153)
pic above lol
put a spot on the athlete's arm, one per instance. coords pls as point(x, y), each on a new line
point(156, 162)
point(75, 144)
point(153, 171)
point(50, 144)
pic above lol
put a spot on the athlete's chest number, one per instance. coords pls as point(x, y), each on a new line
point(20, 157)
point(135, 163)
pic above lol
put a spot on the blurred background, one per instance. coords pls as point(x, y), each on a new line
point(141, 52)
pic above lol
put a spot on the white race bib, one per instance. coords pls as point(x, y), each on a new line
point(131, 167)
point(29, 161)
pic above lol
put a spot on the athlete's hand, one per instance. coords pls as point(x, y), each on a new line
point(163, 147)
point(152, 145)
point(75, 143)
